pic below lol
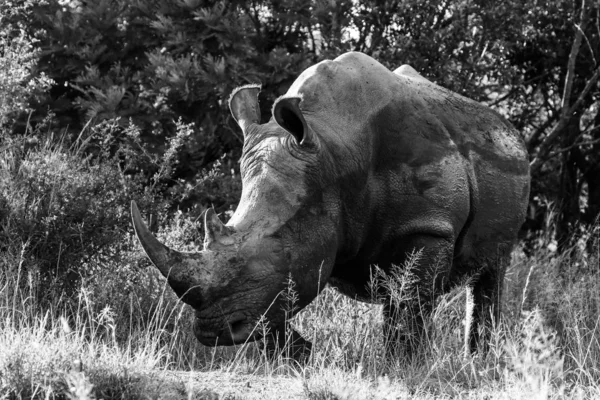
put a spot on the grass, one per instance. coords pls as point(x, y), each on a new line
point(546, 347)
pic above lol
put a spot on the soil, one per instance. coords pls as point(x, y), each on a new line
point(219, 385)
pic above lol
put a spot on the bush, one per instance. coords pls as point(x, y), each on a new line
point(64, 203)
point(17, 63)
point(59, 209)
point(136, 62)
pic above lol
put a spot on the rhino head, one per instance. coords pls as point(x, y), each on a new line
point(284, 227)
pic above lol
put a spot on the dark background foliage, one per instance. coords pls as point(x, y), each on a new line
point(140, 92)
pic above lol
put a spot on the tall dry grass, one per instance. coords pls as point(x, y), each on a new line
point(545, 347)
point(123, 328)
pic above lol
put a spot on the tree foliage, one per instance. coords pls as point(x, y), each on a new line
point(153, 63)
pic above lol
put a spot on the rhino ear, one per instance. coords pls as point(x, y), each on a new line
point(288, 115)
point(243, 105)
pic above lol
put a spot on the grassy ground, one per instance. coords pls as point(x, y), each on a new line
point(547, 346)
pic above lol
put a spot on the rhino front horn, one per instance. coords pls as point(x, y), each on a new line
point(182, 270)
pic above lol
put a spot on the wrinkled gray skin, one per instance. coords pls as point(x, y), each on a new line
point(358, 166)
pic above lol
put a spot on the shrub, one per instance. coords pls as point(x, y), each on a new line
point(136, 62)
point(17, 62)
point(60, 209)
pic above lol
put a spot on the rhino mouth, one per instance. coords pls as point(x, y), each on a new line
point(232, 330)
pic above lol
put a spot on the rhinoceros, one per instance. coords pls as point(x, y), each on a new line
point(358, 166)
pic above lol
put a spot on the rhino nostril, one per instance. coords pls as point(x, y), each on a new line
point(237, 325)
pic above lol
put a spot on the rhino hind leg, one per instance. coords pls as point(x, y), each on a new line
point(487, 293)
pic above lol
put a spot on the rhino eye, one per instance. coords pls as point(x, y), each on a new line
point(291, 123)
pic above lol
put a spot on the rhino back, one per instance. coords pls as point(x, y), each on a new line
point(411, 155)
point(344, 97)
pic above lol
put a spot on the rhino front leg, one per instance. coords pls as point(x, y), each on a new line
point(404, 310)
point(291, 345)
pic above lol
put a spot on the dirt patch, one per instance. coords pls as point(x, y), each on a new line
point(222, 385)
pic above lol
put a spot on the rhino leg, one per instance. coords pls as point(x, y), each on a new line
point(292, 345)
point(487, 292)
point(403, 329)
point(403, 317)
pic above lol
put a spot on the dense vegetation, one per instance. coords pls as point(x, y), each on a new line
point(102, 102)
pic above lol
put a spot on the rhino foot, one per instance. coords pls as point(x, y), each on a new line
point(292, 346)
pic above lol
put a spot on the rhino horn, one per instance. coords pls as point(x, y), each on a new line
point(215, 230)
point(180, 269)
point(243, 105)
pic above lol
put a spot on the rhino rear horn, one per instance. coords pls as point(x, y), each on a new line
point(215, 230)
point(243, 105)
